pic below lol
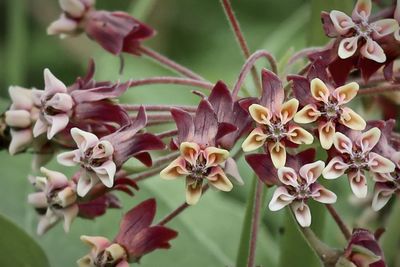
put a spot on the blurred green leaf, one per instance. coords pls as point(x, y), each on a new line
point(391, 238)
point(18, 248)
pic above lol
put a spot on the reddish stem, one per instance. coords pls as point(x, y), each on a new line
point(128, 107)
point(169, 63)
point(255, 222)
point(249, 64)
point(239, 37)
point(379, 89)
point(167, 133)
point(172, 80)
point(342, 226)
point(179, 209)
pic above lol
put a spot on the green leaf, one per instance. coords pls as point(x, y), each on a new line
point(18, 248)
point(391, 237)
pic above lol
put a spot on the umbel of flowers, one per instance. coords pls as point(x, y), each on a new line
point(305, 130)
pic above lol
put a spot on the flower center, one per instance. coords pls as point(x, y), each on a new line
point(276, 131)
point(110, 257)
point(87, 162)
point(303, 191)
point(359, 160)
point(61, 198)
point(363, 29)
point(330, 110)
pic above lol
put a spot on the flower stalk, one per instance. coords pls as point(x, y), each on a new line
point(341, 224)
point(172, 80)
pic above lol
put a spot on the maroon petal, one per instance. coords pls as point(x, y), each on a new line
point(135, 220)
point(264, 168)
point(318, 70)
point(340, 69)
point(300, 159)
point(98, 206)
point(368, 67)
point(224, 129)
point(272, 93)
point(145, 158)
point(328, 26)
point(99, 93)
point(206, 124)
point(301, 89)
point(222, 101)
point(184, 123)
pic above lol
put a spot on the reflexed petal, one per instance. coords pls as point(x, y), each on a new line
point(288, 110)
point(193, 191)
point(342, 143)
point(299, 136)
point(323, 195)
point(175, 169)
point(288, 176)
point(61, 26)
point(319, 90)
point(341, 22)
point(346, 93)
point(84, 140)
point(75, 8)
point(307, 114)
point(70, 214)
point(86, 181)
point(218, 179)
point(106, 172)
point(232, 171)
point(369, 139)
point(52, 85)
point(20, 140)
point(302, 213)
point(326, 134)
point(46, 222)
point(190, 151)
point(384, 27)
point(58, 123)
point(380, 164)
point(97, 243)
point(352, 120)
point(312, 171)
point(280, 199)
point(39, 128)
point(38, 200)
point(373, 51)
point(278, 154)
point(362, 10)
point(18, 118)
point(347, 47)
point(335, 168)
point(215, 156)
point(56, 179)
point(70, 158)
point(358, 183)
point(103, 149)
point(260, 114)
point(382, 194)
point(21, 98)
point(255, 140)
point(61, 101)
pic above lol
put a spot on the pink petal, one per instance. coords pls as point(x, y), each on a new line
point(75, 8)
point(341, 22)
point(373, 51)
point(382, 195)
point(358, 183)
point(84, 140)
point(38, 200)
point(20, 140)
point(175, 169)
point(70, 158)
point(123, 263)
point(384, 27)
point(190, 151)
point(63, 26)
point(218, 179)
point(302, 213)
point(380, 164)
point(272, 90)
point(326, 134)
point(86, 181)
point(288, 176)
point(55, 179)
point(232, 171)
point(61, 101)
point(106, 173)
point(277, 152)
point(347, 47)
point(18, 118)
point(58, 123)
point(362, 10)
point(335, 168)
point(46, 222)
point(280, 199)
point(52, 85)
point(323, 195)
point(21, 98)
point(102, 149)
point(70, 214)
point(97, 243)
point(40, 127)
point(342, 143)
point(312, 171)
point(369, 139)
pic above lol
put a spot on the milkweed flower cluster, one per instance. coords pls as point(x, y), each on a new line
point(290, 127)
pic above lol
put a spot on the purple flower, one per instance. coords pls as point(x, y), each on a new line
point(274, 121)
point(201, 160)
point(136, 237)
point(99, 159)
point(356, 158)
point(55, 199)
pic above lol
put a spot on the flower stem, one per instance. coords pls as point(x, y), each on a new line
point(179, 209)
point(240, 38)
point(128, 107)
point(379, 89)
point(255, 223)
point(167, 134)
point(342, 226)
point(170, 64)
point(327, 255)
point(172, 80)
point(249, 64)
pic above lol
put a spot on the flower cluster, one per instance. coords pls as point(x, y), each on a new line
point(293, 124)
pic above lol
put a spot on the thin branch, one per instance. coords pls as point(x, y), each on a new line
point(172, 80)
point(343, 227)
point(379, 89)
point(129, 107)
point(170, 64)
point(169, 133)
point(179, 209)
point(255, 223)
point(249, 64)
point(240, 38)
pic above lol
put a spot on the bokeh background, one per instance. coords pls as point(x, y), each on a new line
point(196, 34)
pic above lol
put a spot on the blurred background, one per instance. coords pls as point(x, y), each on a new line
point(196, 34)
